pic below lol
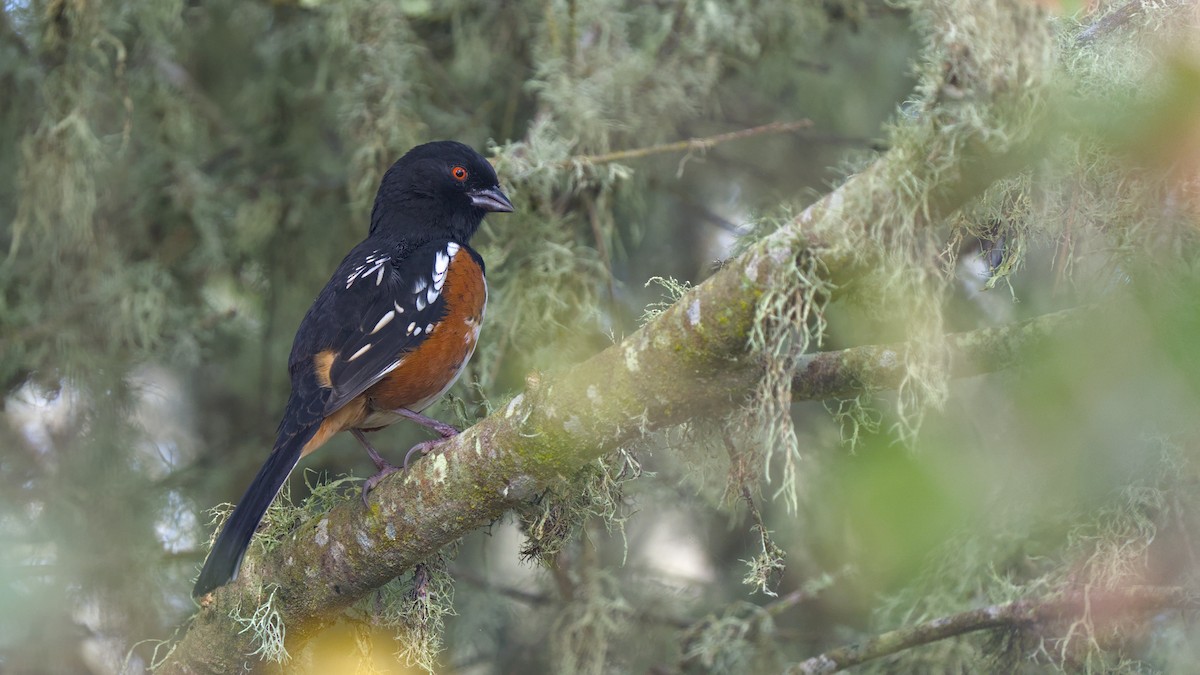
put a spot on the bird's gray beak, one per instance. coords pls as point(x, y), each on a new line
point(491, 199)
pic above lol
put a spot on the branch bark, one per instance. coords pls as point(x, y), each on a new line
point(1016, 614)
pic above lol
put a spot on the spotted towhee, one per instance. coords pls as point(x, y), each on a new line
point(389, 333)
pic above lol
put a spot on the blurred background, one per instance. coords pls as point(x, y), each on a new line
point(178, 180)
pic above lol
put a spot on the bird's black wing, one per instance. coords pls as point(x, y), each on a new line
point(381, 303)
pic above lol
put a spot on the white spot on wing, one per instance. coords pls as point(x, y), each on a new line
point(420, 302)
point(432, 294)
point(399, 309)
point(387, 318)
point(372, 264)
point(429, 328)
point(411, 326)
point(441, 263)
point(359, 352)
point(417, 331)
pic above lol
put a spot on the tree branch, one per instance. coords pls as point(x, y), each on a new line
point(1109, 22)
point(871, 367)
point(538, 599)
point(1016, 614)
point(691, 144)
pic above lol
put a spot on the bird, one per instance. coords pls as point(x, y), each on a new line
point(389, 333)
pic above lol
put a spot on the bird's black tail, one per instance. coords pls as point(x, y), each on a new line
point(226, 555)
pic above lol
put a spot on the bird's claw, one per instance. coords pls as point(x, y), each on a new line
point(384, 472)
point(386, 469)
point(424, 448)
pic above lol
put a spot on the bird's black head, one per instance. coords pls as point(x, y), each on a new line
point(442, 188)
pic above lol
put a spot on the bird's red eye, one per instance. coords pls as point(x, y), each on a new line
point(459, 173)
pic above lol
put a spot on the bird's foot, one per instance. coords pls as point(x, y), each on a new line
point(423, 448)
point(386, 469)
point(384, 472)
point(441, 428)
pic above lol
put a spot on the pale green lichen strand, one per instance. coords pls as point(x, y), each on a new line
point(267, 626)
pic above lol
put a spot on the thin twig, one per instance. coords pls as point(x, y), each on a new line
point(1109, 22)
point(534, 599)
point(771, 559)
point(10, 34)
point(807, 592)
point(602, 248)
point(173, 73)
point(846, 372)
point(520, 595)
point(691, 144)
point(1018, 613)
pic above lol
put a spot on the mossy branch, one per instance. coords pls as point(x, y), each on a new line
point(1019, 614)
